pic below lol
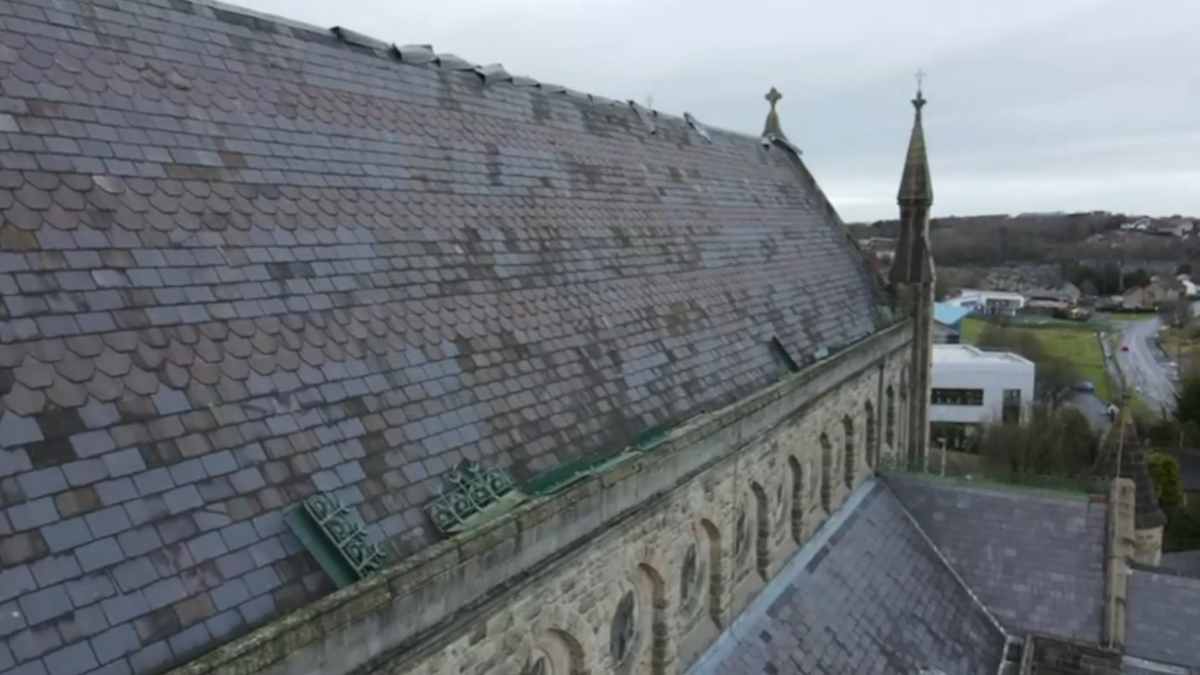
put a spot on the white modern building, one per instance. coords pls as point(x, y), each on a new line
point(989, 302)
point(972, 387)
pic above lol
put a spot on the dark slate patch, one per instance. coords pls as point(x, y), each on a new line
point(1034, 558)
point(1163, 618)
point(880, 601)
point(205, 323)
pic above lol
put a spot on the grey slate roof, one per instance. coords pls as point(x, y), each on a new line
point(1184, 562)
point(873, 598)
point(1163, 617)
point(241, 262)
point(1035, 559)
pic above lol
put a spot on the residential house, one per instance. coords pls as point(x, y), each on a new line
point(1150, 296)
point(1189, 287)
point(1067, 293)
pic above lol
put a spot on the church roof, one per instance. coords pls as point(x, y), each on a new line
point(869, 594)
point(1035, 558)
point(919, 574)
point(1163, 617)
point(243, 261)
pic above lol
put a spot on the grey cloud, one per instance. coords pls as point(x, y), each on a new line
point(1034, 104)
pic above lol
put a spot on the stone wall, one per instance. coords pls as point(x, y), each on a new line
point(1051, 656)
point(634, 571)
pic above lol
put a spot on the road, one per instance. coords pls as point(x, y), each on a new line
point(1148, 369)
point(1093, 408)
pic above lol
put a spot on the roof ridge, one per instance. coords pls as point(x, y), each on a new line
point(425, 55)
point(1165, 571)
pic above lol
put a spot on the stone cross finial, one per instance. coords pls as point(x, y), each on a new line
point(773, 97)
point(919, 101)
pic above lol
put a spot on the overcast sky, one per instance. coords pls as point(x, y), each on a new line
point(1034, 105)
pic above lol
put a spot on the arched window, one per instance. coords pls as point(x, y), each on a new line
point(624, 630)
point(741, 535)
point(689, 580)
point(797, 474)
point(850, 460)
point(762, 530)
point(902, 435)
point(826, 473)
point(872, 435)
point(889, 430)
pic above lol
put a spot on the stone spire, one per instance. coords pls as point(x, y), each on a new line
point(912, 283)
point(915, 186)
point(913, 261)
point(772, 126)
point(1123, 455)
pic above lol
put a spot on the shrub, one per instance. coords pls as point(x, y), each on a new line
point(1168, 484)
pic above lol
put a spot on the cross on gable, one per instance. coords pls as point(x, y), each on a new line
point(773, 96)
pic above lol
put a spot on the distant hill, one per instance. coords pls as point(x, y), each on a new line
point(1047, 238)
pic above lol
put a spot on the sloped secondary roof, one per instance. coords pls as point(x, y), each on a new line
point(1036, 560)
point(872, 597)
point(242, 261)
point(1163, 617)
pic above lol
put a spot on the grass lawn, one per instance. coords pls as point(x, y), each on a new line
point(1075, 343)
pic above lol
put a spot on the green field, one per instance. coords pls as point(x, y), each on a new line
point(1076, 343)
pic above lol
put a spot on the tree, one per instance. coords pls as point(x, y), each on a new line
point(1184, 268)
point(1175, 313)
point(941, 289)
point(1187, 398)
point(1168, 483)
point(1054, 374)
point(1054, 440)
point(1088, 289)
point(1138, 278)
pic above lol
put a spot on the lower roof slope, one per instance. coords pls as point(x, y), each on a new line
point(1035, 559)
point(1162, 621)
point(242, 262)
point(872, 596)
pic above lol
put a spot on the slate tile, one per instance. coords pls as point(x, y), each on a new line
point(31, 514)
point(67, 534)
point(71, 660)
point(108, 521)
point(99, 554)
point(55, 569)
point(124, 462)
point(43, 605)
point(33, 642)
point(18, 430)
point(17, 581)
point(90, 589)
